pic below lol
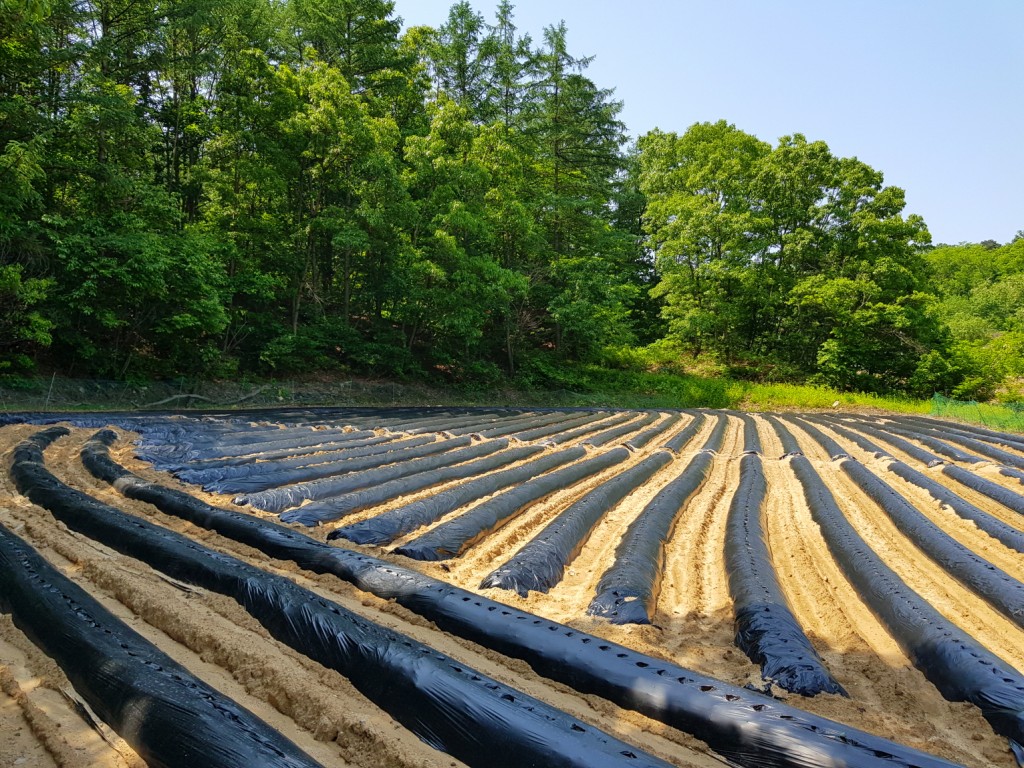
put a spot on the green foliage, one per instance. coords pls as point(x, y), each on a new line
point(788, 256)
point(227, 188)
point(22, 327)
point(633, 387)
point(1003, 417)
point(463, 292)
point(981, 290)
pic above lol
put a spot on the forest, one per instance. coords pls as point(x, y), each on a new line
point(216, 188)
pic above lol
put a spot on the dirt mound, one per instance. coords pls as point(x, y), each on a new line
point(341, 464)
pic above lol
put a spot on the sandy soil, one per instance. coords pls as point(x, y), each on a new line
point(319, 710)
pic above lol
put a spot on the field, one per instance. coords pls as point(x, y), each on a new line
point(699, 588)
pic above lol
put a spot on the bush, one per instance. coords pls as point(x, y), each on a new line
point(22, 328)
point(332, 345)
point(937, 372)
point(663, 356)
point(973, 388)
point(542, 371)
point(479, 375)
point(300, 352)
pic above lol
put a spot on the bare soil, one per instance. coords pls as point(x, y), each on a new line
point(318, 709)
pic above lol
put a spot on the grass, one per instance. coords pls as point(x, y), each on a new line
point(583, 386)
point(990, 414)
point(641, 389)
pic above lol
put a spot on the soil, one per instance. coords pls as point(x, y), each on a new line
point(323, 714)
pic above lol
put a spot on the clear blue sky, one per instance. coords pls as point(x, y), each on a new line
point(930, 92)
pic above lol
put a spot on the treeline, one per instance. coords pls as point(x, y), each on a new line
point(201, 186)
point(981, 300)
point(208, 187)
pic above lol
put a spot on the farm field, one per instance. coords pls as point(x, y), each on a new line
point(437, 587)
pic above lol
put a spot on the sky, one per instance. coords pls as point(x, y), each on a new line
point(929, 92)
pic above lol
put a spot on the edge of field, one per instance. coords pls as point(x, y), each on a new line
point(594, 388)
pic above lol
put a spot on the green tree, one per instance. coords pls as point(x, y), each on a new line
point(113, 232)
point(576, 140)
point(193, 42)
point(463, 294)
point(704, 229)
point(33, 64)
point(358, 37)
point(458, 58)
point(22, 327)
point(511, 63)
point(981, 294)
point(628, 209)
point(787, 257)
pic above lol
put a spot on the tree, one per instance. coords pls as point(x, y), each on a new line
point(628, 210)
point(304, 181)
point(358, 37)
point(199, 186)
point(703, 229)
point(463, 293)
point(981, 301)
point(789, 256)
point(576, 140)
point(458, 58)
point(111, 230)
point(511, 62)
point(34, 59)
point(22, 327)
point(194, 44)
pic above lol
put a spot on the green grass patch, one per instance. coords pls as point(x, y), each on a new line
point(1004, 417)
point(641, 389)
point(570, 386)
